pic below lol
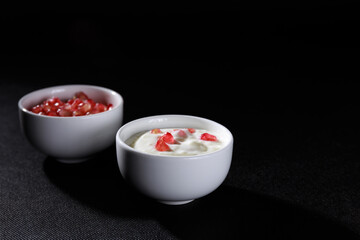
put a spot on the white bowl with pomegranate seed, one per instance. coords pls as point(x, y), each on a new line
point(71, 122)
point(167, 174)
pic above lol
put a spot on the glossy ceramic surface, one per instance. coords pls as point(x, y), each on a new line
point(173, 179)
point(71, 139)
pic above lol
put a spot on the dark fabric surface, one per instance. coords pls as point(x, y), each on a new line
point(284, 88)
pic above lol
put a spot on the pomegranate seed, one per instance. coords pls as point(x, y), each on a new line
point(182, 134)
point(54, 100)
point(168, 138)
point(46, 108)
point(208, 137)
point(67, 106)
point(76, 103)
point(81, 95)
point(64, 113)
point(94, 111)
point(161, 146)
point(85, 107)
point(101, 107)
point(37, 109)
point(79, 105)
point(191, 130)
point(77, 113)
point(70, 101)
point(92, 102)
point(51, 113)
point(156, 131)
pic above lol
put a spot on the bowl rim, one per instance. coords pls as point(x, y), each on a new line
point(127, 147)
point(23, 109)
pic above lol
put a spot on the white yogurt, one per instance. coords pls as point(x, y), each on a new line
point(186, 143)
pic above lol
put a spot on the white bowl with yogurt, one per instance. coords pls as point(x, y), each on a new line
point(174, 176)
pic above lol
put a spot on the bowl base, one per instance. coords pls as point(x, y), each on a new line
point(176, 202)
point(72, 160)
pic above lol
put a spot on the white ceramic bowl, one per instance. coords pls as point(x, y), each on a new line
point(173, 179)
point(71, 139)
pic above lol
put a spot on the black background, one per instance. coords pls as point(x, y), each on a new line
point(281, 76)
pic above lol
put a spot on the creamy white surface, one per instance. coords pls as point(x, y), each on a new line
point(187, 146)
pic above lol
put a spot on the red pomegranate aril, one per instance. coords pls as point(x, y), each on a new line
point(99, 107)
point(208, 137)
point(182, 134)
point(54, 100)
point(79, 105)
point(67, 106)
point(85, 107)
point(168, 138)
point(37, 109)
point(46, 108)
point(64, 113)
point(77, 113)
point(92, 102)
point(51, 113)
point(76, 103)
point(94, 111)
point(156, 131)
point(191, 130)
point(161, 146)
point(81, 95)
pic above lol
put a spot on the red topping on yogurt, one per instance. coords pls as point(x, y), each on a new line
point(163, 141)
point(191, 130)
point(79, 105)
point(182, 133)
point(161, 146)
point(156, 131)
point(168, 138)
point(178, 141)
point(208, 137)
